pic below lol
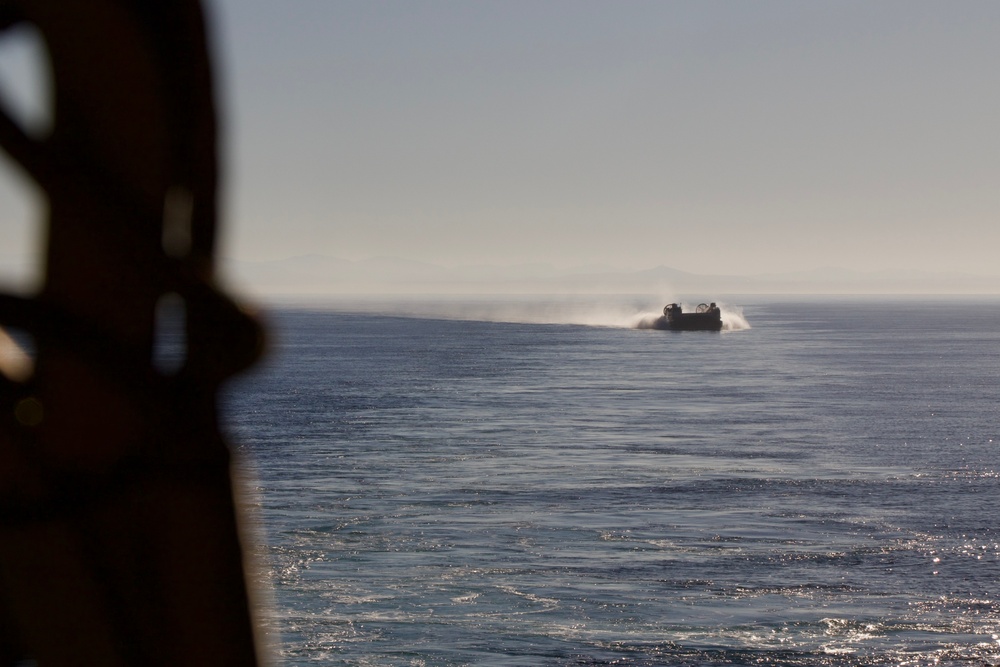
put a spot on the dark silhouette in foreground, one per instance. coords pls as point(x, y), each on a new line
point(118, 530)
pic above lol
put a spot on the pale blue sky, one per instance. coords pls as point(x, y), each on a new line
point(764, 136)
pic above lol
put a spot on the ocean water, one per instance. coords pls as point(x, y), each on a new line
point(545, 484)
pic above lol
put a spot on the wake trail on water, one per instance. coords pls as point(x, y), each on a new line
point(632, 314)
point(598, 314)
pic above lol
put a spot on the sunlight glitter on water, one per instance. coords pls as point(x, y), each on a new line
point(491, 493)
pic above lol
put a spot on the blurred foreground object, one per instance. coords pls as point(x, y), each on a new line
point(118, 532)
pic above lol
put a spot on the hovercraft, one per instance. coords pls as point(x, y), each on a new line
point(706, 317)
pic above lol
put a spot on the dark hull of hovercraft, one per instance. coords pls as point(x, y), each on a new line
point(690, 322)
point(707, 317)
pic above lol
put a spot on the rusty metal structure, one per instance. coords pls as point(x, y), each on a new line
point(119, 542)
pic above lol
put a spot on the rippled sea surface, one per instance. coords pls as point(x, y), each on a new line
point(821, 487)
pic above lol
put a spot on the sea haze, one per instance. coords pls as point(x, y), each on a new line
point(815, 485)
point(318, 275)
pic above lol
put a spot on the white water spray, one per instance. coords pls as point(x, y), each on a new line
point(732, 318)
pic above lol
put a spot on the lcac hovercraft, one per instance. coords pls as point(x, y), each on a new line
point(706, 317)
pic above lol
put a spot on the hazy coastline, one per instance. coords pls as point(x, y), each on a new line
point(319, 275)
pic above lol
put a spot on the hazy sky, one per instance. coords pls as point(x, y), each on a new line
point(711, 136)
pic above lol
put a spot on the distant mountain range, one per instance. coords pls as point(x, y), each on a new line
point(321, 275)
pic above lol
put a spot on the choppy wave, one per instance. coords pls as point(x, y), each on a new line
point(450, 493)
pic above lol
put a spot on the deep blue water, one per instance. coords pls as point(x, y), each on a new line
point(818, 489)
